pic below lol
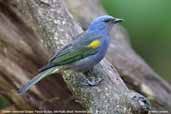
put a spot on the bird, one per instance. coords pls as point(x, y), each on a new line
point(82, 54)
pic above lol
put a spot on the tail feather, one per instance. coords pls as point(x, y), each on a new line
point(48, 66)
point(36, 79)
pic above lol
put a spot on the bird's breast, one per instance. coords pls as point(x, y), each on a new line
point(103, 48)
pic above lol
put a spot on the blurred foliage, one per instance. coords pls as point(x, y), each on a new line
point(149, 25)
point(3, 102)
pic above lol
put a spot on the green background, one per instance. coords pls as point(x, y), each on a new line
point(149, 25)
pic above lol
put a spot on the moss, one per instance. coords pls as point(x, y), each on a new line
point(3, 44)
point(4, 102)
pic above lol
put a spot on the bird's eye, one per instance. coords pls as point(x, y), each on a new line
point(107, 20)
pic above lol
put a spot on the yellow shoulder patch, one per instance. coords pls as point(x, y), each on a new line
point(94, 44)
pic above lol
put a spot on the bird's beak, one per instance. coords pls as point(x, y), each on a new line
point(117, 20)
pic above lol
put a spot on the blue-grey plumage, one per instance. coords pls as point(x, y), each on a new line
point(88, 49)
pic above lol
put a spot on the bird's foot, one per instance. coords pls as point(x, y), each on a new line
point(94, 82)
point(90, 80)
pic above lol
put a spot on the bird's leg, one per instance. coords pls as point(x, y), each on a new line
point(91, 79)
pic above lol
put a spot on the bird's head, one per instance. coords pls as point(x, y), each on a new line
point(103, 23)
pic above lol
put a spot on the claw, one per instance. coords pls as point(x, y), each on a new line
point(92, 82)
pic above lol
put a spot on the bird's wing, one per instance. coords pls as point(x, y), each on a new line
point(87, 44)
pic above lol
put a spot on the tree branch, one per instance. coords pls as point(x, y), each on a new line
point(57, 27)
point(134, 71)
point(27, 26)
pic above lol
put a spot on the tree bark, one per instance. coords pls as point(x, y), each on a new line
point(21, 55)
point(134, 71)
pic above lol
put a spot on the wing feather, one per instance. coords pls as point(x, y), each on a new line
point(76, 50)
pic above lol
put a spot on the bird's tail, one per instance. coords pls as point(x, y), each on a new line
point(37, 78)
